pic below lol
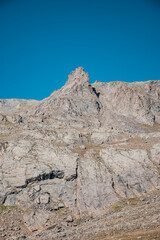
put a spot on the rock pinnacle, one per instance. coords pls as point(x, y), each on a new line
point(78, 76)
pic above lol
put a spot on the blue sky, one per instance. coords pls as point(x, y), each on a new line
point(42, 41)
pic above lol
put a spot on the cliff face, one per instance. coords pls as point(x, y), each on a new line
point(86, 146)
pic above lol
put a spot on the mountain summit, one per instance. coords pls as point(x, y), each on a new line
point(78, 76)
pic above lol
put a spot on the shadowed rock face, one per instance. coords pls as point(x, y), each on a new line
point(86, 145)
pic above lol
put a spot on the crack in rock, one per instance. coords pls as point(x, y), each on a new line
point(45, 176)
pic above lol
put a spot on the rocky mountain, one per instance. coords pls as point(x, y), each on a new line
point(80, 151)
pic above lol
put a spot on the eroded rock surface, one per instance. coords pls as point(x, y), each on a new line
point(85, 147)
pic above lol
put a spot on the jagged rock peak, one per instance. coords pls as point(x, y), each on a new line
point(78, 76)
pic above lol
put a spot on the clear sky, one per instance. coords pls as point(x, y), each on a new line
point(42, 41)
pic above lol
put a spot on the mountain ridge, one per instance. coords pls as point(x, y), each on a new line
point(86, 147)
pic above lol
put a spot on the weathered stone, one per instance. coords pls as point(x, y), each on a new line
point(61, 205)
point(36, 219)
point(44, 198)
point(86, 145)
point(55, 208)
point(69, 219)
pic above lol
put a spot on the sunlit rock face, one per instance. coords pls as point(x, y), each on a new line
point(86, 146)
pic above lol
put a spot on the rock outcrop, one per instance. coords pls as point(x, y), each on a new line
point(86, 147)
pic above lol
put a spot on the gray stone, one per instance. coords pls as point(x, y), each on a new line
point(69, 219)
point(55, 208)
point(61, 205)
point(44, 198)
point(86, 145)
point(36, 219)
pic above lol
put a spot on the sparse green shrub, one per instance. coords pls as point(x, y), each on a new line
point(4, 208)
point(78, 221)
point(118, 206)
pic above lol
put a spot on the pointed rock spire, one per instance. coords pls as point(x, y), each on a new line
point(78, 76)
